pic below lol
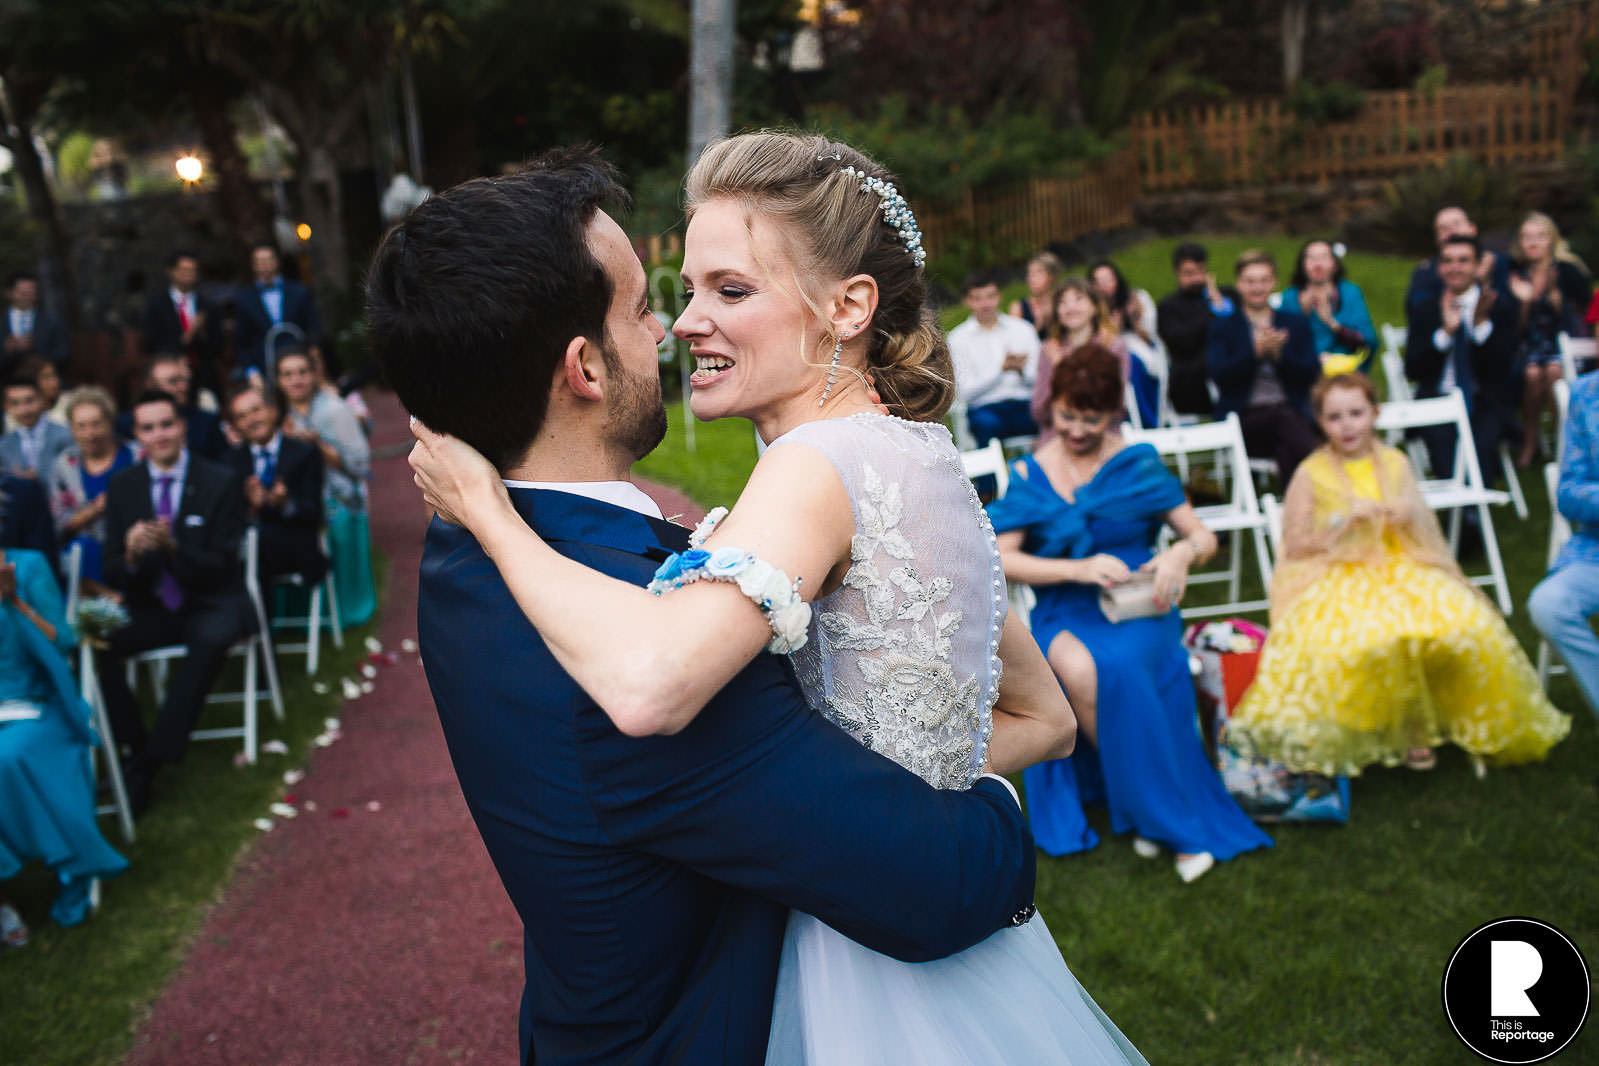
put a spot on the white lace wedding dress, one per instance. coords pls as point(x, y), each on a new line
point(903, 657)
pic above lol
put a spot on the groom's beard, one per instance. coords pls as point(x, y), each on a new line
point(638, 411)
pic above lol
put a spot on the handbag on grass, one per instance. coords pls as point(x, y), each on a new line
point(1133, 598)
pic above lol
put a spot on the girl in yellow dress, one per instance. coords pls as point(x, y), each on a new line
point(1380, 649)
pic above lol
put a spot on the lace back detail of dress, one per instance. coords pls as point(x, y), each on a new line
point(904, 655)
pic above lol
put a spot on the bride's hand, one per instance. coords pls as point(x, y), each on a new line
point(455, 479)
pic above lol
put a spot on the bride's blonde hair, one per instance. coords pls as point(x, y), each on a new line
point(836, 230)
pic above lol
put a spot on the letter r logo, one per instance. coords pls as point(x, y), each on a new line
point(1514, 967)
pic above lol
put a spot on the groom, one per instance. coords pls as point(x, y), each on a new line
point(653, 875)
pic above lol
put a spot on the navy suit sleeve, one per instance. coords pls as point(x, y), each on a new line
point(1494, 360)
point(1230, 354)
point(120, 516)
point(1299, 364)
point(762, 794)
point(1424, 362)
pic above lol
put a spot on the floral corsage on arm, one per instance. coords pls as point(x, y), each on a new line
point(776, 596)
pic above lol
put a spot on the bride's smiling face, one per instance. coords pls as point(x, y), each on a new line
point(753, 338)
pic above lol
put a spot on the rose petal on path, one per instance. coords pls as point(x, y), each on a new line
point(374, 806)
point(275, 747)
point(264, 824)
point(293, 777)
point(283, 810)
point(369, 671)
point(341, 812)
point(374, 644)
point(408, 646)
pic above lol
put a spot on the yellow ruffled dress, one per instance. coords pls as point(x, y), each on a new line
point(1378, 644)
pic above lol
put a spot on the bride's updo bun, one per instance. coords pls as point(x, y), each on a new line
point(838, 231)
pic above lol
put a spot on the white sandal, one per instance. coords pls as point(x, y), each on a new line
point(13, 932)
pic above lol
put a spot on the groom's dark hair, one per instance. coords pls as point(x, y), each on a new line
point(473, 297)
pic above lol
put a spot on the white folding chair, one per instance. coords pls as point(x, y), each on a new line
point(1463, 488)
point(255, 648)
point(89, 689)
point(312, 620)
point(1399, 391)
point(989, 461)
point(1274, 524)
point(1576, 351)
point(959, 428)
point(1559, 533)
point(1241, 513)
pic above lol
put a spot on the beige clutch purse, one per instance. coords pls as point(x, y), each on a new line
point(1133, 598)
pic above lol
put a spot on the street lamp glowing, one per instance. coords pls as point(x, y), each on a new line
point(189, 168)
point(303, 231)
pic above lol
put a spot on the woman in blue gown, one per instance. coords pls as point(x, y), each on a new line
point(46, 792)
point(1080, 516)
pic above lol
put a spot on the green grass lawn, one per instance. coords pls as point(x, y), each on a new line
point(1329, 949)
point(76, 996)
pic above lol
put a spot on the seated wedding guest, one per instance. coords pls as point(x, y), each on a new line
point(169, 372)
point(995, 359)
point(1380, 649)
point(1183, 321)
point(31, 448)
point(1335, 306)
point(173, 525)
point(317, 415)
point(1552, 286)
point(178, 318)
point(1132, 314)
point(1037, 309)
point(1564, 601)
point(48, 814)
point(1263, 363)
point(1081, 317)
point(282, 479)
point(44, 375)
point(1466, 340)
point(271, 300)
point(31, 329)
point(1426, 281)
point(25, 514)
point(79, 478)
point(1081, 516)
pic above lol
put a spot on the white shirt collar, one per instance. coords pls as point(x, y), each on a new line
point(618, 493)
point(270, 447)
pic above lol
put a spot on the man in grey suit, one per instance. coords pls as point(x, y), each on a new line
point(30, 450)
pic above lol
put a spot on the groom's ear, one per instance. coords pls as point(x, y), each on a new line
point(584, 368)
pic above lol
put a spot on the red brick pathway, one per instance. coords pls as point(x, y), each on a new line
point(382, 937)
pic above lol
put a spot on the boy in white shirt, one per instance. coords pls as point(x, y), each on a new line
point(996, 359)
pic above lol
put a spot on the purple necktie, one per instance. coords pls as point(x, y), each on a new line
point(167, 588)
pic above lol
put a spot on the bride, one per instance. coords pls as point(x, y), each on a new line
point(859, 547)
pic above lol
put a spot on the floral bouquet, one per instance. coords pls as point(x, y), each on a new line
point(100, 617)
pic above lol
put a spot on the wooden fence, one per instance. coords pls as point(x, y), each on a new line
point(1264, 141)
point(1030, 215)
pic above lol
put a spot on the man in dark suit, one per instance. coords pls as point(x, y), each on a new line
point(282, 479)
point(1465, 339)
point(653, 875)
point(173, 526)
point(1427, 286)
point(1183, 320)
point(271, 300)
point(169, 372)
point(29, 328)
point(1264, 362)
point(178, 318)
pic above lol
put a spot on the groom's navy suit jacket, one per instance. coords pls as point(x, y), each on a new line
point(653, 875)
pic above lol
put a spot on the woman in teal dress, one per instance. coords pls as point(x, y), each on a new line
point(46, 792)
point(1080, 516)
point(317, 414)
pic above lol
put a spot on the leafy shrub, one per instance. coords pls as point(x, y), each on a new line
point(1490, 194)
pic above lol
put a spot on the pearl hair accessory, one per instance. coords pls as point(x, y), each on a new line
point(896, 212)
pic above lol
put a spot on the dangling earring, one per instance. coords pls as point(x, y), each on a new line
point(832, 370)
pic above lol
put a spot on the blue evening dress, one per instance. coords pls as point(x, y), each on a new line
point(1150, 766)
point(46, 792)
